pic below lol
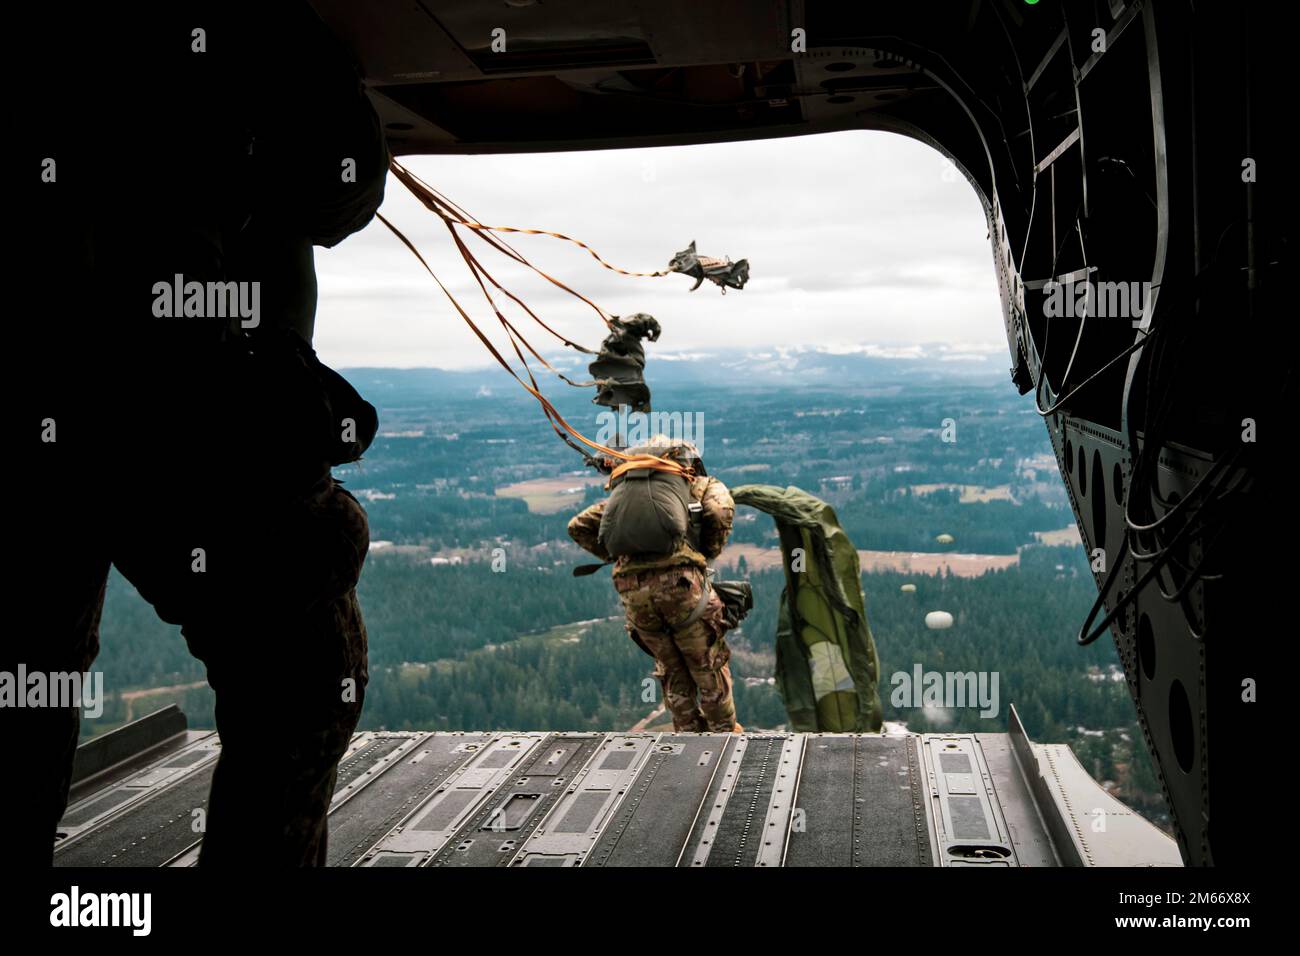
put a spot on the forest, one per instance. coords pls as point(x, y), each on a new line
point(460, 641)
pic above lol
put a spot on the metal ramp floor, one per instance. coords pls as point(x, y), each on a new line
point(640, 799)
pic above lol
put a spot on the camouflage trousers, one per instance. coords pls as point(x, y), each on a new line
point(691, 662)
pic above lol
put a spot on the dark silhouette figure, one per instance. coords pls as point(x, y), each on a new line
point(188, 428)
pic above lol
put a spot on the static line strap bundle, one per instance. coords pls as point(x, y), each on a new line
point(452, 215)
point(559, 235)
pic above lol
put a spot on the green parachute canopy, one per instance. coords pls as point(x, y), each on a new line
point(826, 665)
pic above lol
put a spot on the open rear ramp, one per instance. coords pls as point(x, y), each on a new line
point(416, 799)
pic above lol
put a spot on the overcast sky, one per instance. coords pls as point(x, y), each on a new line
point(856, 241)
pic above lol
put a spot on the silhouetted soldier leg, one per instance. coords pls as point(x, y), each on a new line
point(63, 638)
point(289, 683)
point(284, 726)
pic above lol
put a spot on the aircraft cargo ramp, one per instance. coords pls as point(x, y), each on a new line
point(414, 799)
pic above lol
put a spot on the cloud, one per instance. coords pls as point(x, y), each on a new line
point(855, 240)
point(683, 356)
point(877, 351)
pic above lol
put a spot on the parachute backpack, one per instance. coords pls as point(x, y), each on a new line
point(648, 511)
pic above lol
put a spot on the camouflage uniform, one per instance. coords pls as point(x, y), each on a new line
point(660, 591)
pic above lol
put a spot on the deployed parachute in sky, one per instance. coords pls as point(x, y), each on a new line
point(938, 620)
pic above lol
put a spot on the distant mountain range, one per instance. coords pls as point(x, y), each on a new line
point(803, 368)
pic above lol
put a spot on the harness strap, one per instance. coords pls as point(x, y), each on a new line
point(650, 462)
point(701, 607)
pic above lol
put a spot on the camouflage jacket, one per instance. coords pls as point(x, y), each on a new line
point(715, 526)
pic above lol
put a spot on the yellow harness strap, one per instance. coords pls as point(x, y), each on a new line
point(652, 462)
